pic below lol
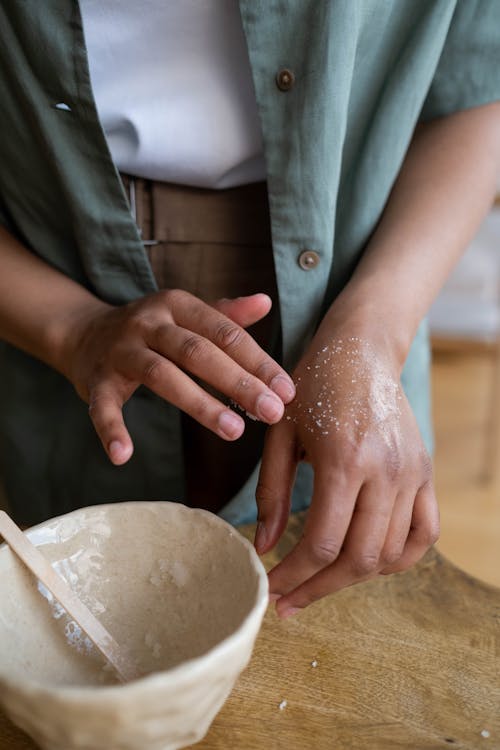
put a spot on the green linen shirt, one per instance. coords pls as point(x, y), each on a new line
point(365, 72)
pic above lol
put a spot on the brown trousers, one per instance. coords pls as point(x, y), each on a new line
point(212, 243)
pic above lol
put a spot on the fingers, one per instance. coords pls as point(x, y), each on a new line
point(143, 343)
point(399, 529)
point(365, 542)
point(170, 383)
point(424, 530)
point(105, 411)
point(193, 315)
point(382, 538)
point(201, 357)
point(274, 488)
point(326, 526)
point(330, 569)
point(358, 559)
point(245, 311)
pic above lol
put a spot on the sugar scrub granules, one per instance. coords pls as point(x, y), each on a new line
point(353, 391)
point(283, 705)
point(485, 734)
point(314, 663)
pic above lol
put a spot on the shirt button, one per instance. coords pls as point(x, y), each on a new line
point(285, 79)
point(308, 260)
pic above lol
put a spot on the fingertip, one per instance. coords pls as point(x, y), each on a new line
point(286, 610)
point(264, 298)
point(260, 538)
point(276, 523)
point(284, 387)
point(263, 303)
point(119, 452)
point(230, 426)
point(245, 311)
point(258, 297)
point(269, 408)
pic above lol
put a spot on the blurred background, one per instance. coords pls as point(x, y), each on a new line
point(465, 329)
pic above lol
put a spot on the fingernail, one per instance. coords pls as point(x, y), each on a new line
point(274, 597)
point(283, 387)
point(288, 612)
point(231, 424)
point(260, 537)
point(117, 451)
point(269, 408)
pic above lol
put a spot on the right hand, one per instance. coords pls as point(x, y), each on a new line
point(159, 341)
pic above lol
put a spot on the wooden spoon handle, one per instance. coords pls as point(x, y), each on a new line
point(75, 608)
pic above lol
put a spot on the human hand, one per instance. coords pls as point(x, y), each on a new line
point(160, 341)
point(373, 508)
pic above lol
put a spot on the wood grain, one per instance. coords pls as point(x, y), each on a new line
point(408, 661)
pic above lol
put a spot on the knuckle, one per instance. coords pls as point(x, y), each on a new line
point(192, 348)
point(94, 409)
point(353, 460)
point(242, 384)
point(394, 466)
point(432, 533)
point(391, 555)
point(426, 467)
point(265, 369)
point(365, 564)
point(98, 404)
point(171, 297)
point(227, 335)
point(152, 372)
point(322, 552)
point(265, 494)
point(139, 321)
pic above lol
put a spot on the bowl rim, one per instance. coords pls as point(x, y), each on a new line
point(186, 670)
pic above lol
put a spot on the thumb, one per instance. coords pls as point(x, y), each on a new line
point(274, 488)
point(245, 311)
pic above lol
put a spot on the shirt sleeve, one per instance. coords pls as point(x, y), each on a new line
point(468, 71)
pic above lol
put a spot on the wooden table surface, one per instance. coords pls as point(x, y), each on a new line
point(405, 661)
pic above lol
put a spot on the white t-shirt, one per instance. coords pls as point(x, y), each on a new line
point(174, 91)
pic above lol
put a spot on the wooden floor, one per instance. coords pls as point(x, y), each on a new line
point(469, 501)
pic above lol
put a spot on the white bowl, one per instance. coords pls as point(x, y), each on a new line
point(183, 590)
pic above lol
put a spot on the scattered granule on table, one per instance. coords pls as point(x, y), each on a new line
point(314, 663)
point(283, 705)
point(485, 734)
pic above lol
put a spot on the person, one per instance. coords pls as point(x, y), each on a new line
point(336, 158)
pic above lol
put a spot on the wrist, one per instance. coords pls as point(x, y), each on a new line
point(372, 316)
point(67, 330)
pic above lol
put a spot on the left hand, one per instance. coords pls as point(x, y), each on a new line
point(373, 509)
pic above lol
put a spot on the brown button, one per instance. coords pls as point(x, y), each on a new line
point(285, 79)
point(308, 260)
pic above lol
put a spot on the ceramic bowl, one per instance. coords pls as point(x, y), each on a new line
point(180, 587)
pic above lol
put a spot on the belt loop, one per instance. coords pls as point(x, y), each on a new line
point(133, 210)
point(132, 199)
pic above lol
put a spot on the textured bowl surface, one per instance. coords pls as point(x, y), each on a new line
point(179, 587)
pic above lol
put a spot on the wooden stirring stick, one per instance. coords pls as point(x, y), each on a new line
point(43, 570)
